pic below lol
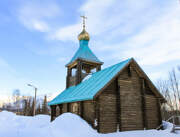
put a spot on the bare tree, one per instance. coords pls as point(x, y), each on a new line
point(170, 90)
point(174, 86)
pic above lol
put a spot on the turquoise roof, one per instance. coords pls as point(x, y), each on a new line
point(85, 53)
point(87, 89)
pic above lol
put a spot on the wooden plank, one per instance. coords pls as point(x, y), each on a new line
point(68, 107)
point(98, 114)
point(130, 95)
point(159, 111)
point(81, 109)
point(60, 108)
point(143, 103)
point(108, 109)
point(69, 73)
point(118, 107)
point(78, 72)
point(152, 112)
point(53, 112)
point(98, 68)
point(129, 71)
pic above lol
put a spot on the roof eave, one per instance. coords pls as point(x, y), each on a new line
point(86, 99)
point(90, 61)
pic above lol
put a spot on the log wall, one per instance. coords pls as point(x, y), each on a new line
point(89, 112)
point(64, 108)
point(107, 111)
point(131, 104)
point(152, 112)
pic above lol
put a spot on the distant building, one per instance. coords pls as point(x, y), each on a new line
point(118, 98)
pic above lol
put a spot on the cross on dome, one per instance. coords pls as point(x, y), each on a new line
point(84, 18)
point(83, 35)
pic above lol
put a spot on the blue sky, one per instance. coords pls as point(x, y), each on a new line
point(38, 37)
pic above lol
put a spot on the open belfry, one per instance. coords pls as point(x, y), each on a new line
point(118, 98)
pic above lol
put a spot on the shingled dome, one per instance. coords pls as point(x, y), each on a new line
point(84, 53)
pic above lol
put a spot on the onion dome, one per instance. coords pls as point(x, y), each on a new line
point(84, 35)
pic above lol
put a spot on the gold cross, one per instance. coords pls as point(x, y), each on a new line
point(84, 17)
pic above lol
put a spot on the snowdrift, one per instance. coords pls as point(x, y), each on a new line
point(66, 125)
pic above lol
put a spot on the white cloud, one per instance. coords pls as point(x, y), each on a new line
point(154, 43)
point(40, 25)
point(94, 22)
point(105, 17)
point(158, 43)
point(34, 15)
point(143, 30)
point(68, 33)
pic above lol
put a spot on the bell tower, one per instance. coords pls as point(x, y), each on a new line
point(84, 62)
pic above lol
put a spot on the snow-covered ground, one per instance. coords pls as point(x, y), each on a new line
point(66, 125)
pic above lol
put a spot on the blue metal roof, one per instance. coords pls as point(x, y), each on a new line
point(87, 89)
point(84, 52)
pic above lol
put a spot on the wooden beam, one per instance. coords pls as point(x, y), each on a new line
point(69, 74)
point(143, 102)
point(97, 114)
point(98, 68)
point(72, 65)
point(78, 72)
point(159, 111)
point(82, 109)
point(129, 71)
point(53, 112)
point(118, 107)
point(68, 107)
point(84, 61)
point(60, 108)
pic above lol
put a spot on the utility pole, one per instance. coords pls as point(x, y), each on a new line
point(35, 92)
